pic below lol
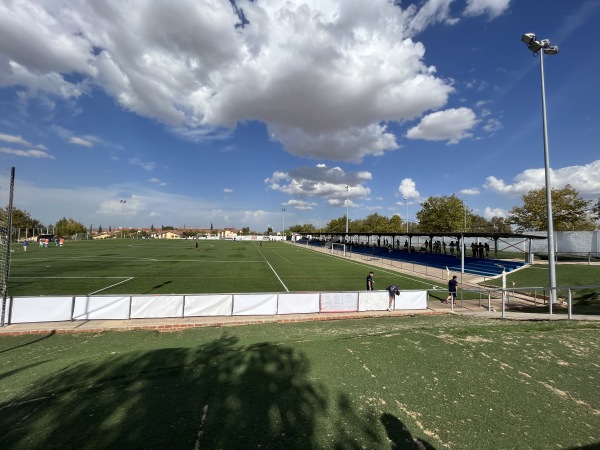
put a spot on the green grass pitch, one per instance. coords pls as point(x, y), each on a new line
point(176, 267)
point(443, 382)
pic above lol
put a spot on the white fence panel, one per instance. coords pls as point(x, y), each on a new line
point(298, 303)
point(94, 308)
point(208, 305)
point(254, 304)
point(411, 300)
point(156, 307)
point(373, 301)
point(339, 301)
point(41, 309)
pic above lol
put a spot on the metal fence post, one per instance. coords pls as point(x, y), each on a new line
point(569, 304)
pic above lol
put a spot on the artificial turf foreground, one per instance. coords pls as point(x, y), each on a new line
point(412, 382)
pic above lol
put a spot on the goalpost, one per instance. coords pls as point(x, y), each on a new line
point(7, 184)
point(338, 249)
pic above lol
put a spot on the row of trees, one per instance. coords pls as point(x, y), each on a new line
point(449, 213)
point(437, 214)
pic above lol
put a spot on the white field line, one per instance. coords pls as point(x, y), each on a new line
point(112, 285)
point(284, 286)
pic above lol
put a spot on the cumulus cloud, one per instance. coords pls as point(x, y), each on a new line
point(408, 189)
point(324, 76)
point(469, 191)
point(301, 205)
point(327, 183)
point(451, 125)
point(583, 178)
point(489, 213)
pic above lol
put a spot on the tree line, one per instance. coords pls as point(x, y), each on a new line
point(570, 212)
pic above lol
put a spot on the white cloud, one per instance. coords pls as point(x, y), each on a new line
point(470, 191)
point(157, 182)
point(301, 205)
point(321, 182)
point(408, 189)
point(79, 141)
point(31, 153)
point(149, 166)
point(14, 140)
point(488, 213)
point(227, 191)
point(493, 8)
point(583, 178)
point(324, 76)
point(451, 125)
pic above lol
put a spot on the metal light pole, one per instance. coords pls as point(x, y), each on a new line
point(346, 211)
point(406, 200)
point(283, 223)
point(122, 208)
point(535, 46)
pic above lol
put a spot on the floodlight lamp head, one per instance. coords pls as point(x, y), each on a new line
point(528, 38)
point(552, 50)
point(535, 46)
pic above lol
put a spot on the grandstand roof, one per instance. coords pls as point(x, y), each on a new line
point(454, 234)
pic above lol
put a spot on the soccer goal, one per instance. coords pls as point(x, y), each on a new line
point(7, 184)
point(338, 249)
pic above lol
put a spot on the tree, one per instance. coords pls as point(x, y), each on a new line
point(443, 215)
point(68, 227)
point(568, 211)
point(339, 225)
point(22, 219)
point(100, 229)
point(500, 225)
point(596, 210)
point(307, 228)
point(245, 231)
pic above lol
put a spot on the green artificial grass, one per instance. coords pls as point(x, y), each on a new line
point(411, 382)
point(176, 267)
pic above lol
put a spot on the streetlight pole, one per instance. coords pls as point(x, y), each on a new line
point(406, 201)
point(546, 49)
point(346, 212)
point(283, 222)
point(122, 208)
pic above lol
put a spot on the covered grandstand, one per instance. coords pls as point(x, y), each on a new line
point(438, 250)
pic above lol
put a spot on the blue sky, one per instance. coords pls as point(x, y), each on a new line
point(214, 111)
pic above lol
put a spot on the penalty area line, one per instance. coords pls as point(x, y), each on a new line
point(112, 285)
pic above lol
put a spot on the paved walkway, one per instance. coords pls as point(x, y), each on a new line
point(178, 324)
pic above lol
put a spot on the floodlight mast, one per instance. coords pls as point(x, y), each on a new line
point(535, 46)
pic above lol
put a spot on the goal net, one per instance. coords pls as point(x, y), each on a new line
point(338, 249)
point(7, 182)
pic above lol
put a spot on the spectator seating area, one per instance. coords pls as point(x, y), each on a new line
point(487, 267)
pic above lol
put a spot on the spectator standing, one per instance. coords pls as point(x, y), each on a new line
point(370, 281)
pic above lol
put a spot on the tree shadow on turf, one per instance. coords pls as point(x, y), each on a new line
point(399, 435)
point(218, 395)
